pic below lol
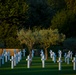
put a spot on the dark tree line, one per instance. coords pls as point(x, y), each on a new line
point(43, 14)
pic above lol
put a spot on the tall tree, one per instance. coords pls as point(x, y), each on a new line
point(50, 37)
point(26, 37)
point(65, 21)
point(44, 37)
point(13, 11)
point(13, 15)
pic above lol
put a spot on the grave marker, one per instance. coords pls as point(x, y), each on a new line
point(6, 54)
point(28, 61)
point(12, 62)
point(2, 58)
point(24, 52)
point(43, 61)
point(74, 63)
point(50, 53)
point(59, 61)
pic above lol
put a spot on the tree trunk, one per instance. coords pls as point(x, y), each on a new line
point(46, 54)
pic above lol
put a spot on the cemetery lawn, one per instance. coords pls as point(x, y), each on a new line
point(36, 68)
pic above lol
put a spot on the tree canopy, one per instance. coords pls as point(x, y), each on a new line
point(44, 14)
point(44, 37)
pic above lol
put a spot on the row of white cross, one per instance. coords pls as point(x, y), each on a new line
point(53, 56)
point(14, 59)
point(18, 56)
point(43, 62)
point(5, 56)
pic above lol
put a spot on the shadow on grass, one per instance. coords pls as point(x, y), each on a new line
point(36, 68)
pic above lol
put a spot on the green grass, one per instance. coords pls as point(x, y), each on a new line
point(36, 68)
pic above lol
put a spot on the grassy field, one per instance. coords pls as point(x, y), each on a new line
point(36, 68)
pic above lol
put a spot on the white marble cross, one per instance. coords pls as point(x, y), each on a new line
point(2, 58)
point(12, 62)
point(17, 58)
point(6, 54)
point(65, 55)
point(28, 61)
point(24, 52)
point(54, 57)
point(15, 51)
point(74, 63)
point(32, 53)
point(4, 50)
point(43, 61)
point(71, 53)
point(59, 61)
point(60, 53)
point(68, 57)
point(50, 53)
point(41, 53)
point(14, 59)
point(20, 55)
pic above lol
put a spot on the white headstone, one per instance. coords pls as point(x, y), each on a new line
point(24, 52)
point(28, 61)
point(65, 55)
point(59, 61)
point(42, 53)
point(19, 56)
point(32, 53)
point(2, 58)
point(71, 53)
point(4, 50)
point(15, 51)
point(54, 57)
point(6, 54)
point(43, 61)
point(74, 63)
point(60, 53)
point(68, 57)
point(14, 59)
point(50, 53)
point(12, 62)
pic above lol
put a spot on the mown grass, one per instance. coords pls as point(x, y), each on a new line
point(36, 68)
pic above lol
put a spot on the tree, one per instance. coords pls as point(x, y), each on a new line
point(8, 35)
point(26, 37)
point(71, 4)
point(65, 22)
point(44, 37)
point(14, 12)
point(50, 37)
point(13, 16)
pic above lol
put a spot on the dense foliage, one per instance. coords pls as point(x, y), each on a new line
point(18, 14)
point(44, 37)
